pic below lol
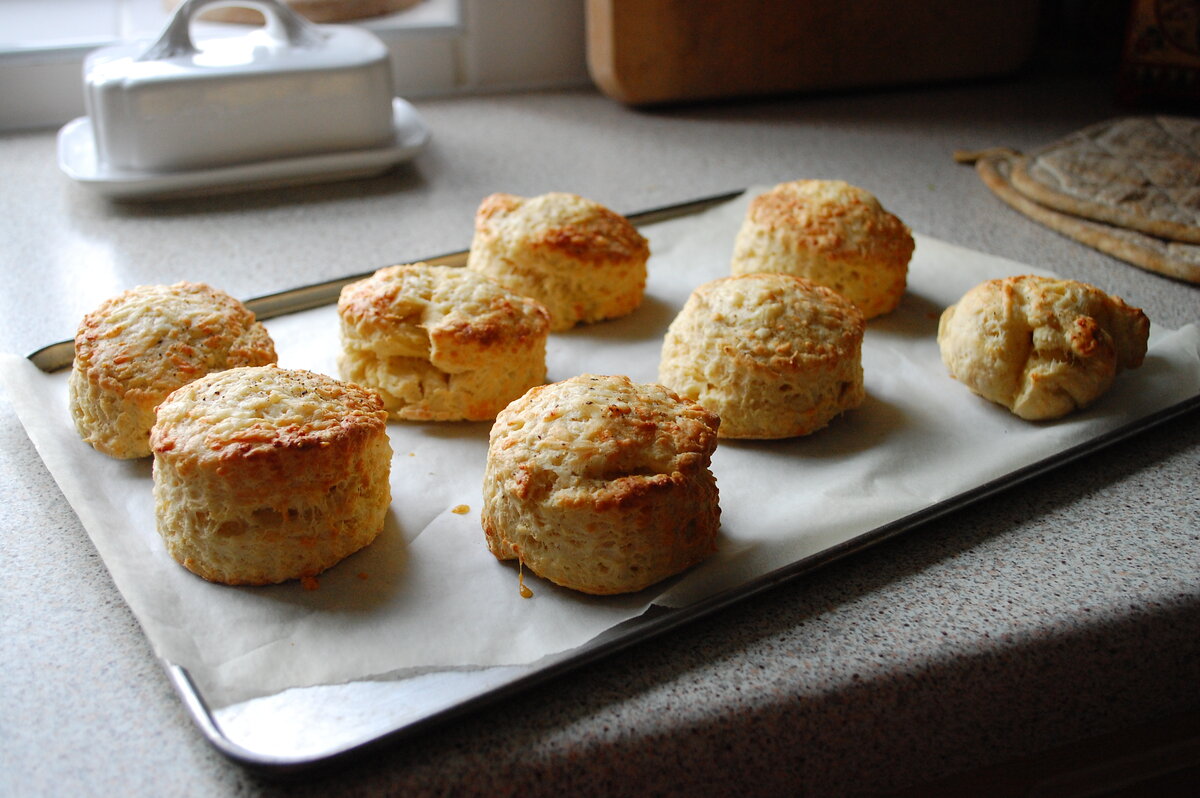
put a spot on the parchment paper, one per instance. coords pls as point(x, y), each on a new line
point(427, 594)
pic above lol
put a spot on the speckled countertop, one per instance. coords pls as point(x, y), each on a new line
point(1059, 609)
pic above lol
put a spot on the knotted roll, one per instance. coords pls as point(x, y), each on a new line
point(1042, 347)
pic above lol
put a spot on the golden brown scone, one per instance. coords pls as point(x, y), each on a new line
point(139, 346)
point(263, 474)
point(581, 260)
point(441, 343)
point(1041, 347)
point(775, 356)
point(601, 484)
point(832, 233)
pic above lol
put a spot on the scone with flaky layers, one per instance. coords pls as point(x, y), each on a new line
point(584, 262)
point(1040, 346)
point(441, 343)
point(601, 484)
point(832, 233)
point(775, 356)
point(263, 474)
point(137, 347)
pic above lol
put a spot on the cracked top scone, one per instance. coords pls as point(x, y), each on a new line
point(832, 233)
point(1042, 347)
point(584, 262)
point(601, 484)
point(441, 343)
point(775, 356)
point(139, 346)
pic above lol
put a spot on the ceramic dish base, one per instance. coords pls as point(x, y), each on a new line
point(77, 159)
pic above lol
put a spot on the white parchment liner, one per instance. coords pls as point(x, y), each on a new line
point(427, 594)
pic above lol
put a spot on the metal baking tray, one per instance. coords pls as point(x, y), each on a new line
point(305, 728)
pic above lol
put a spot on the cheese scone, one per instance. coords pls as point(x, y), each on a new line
point(441, 343)
point(601, 484)
point(584, 262)
point(263, 474)
point(775, 356)
point(139, 346)
point(832, 233)
point(1042, 347)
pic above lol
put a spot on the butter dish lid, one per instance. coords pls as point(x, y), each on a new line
point(286, 42)
point(287, 89)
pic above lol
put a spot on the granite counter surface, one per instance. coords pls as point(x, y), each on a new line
point(1060, 609)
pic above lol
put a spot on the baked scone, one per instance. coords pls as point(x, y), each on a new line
point(139, 346)
point(775, 356)
point(1041, 347)
point(263, 474)
point(441, 343)
point(601, 484)
point(832, 233)
point(584, 262)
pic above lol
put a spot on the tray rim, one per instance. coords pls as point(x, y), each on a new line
point(656, 621)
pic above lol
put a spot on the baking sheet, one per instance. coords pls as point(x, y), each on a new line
point(428, 617)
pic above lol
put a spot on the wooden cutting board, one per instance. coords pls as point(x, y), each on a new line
point(663, 51)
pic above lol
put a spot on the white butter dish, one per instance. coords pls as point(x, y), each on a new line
point(284, 90)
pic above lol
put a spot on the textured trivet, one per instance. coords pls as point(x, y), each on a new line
point(1128, 187)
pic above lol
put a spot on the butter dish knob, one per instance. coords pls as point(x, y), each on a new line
point(283, 24)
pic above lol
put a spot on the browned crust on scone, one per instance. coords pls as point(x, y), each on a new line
point(360, 415)
point(226, 334)
point(774, 355)
point(505, 318)
point(137, 347)
point(441, 343)
point(584, 262)
point(601, 485)
point(264, 475)
point(603, 237)
point(832, 233)
point(821, 227)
